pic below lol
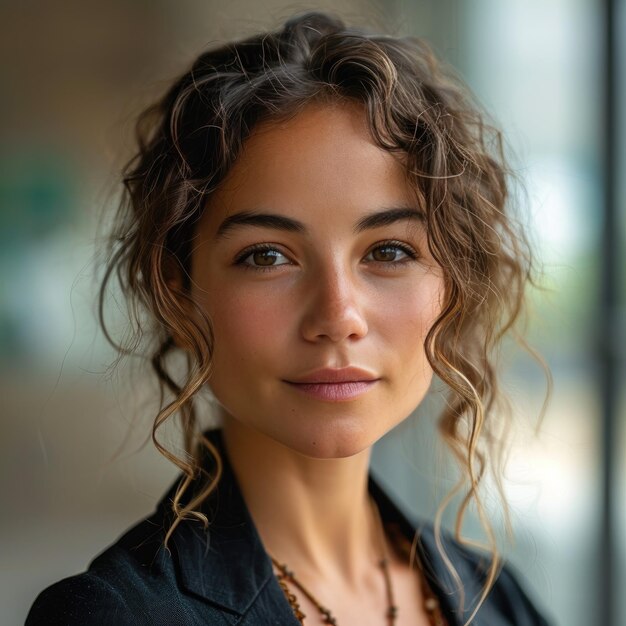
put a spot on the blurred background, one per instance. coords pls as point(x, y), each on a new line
point(74, 471)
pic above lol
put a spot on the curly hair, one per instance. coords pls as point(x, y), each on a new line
point(415, 107)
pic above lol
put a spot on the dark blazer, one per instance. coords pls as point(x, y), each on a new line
point(224, 576)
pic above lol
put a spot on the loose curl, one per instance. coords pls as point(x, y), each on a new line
point(417, 110)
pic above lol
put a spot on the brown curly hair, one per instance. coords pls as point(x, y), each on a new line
point(416, 108)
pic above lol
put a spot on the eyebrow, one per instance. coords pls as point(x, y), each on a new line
point(383, 217)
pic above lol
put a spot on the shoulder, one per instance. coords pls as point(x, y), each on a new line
point(130, 582)
point(81, 599)
point(508, 602)
point(509, 597)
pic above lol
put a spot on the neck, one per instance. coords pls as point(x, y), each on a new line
point(313, 514)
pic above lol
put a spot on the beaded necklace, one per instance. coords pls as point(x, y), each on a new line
point(431, 604)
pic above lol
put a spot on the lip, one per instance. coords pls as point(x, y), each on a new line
point(342, 375)
point(335, 385)
point(334, 392)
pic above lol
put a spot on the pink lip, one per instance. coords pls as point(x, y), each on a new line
point(335, 385)
point(334, 392)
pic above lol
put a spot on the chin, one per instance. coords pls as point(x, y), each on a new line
point(313, 434)
point(333, 440)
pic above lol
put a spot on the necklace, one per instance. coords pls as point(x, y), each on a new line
point(431, 603)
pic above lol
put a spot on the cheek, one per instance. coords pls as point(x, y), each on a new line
point(409, 313)
point(404, 324)
point(248, 325)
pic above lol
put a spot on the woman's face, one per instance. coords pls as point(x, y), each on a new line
point(312, 255)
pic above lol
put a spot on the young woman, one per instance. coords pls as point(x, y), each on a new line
point(315, 217)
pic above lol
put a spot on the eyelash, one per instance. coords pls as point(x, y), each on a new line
point(410, 252)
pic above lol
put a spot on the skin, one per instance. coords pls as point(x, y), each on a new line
point(328, 297)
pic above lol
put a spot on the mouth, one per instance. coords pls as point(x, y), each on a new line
point(334, 385)
point(334, 391)
point(341, 375)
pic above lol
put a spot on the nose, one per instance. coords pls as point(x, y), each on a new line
point(333, 307)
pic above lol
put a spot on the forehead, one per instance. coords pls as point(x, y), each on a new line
point(322, 159)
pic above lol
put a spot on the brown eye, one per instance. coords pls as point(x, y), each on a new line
point(265, 257)
point(392, 254)
point(261, 257)
point(386, 253)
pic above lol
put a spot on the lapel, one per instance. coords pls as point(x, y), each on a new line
point(228, 566)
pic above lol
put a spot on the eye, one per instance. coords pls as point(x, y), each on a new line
point(393, 253)
point(260, 257)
